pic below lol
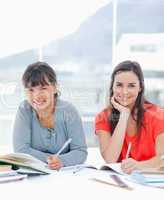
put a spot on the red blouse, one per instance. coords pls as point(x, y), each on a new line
point(144, 148)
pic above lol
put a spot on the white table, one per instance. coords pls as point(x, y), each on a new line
point(66, 185)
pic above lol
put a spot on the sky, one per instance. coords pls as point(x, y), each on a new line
point(27, 24)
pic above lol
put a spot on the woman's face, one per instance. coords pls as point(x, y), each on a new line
point(41, 97)
point(126, 88)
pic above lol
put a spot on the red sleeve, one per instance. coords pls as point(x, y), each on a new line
point(102, 122)
point(157, 122)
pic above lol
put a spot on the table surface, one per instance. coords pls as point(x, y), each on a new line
point(65, 184)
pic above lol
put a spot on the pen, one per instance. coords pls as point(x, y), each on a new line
point(128, 151)
point(64, 146)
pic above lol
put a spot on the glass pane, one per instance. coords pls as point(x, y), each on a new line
point(77, 44)
point(82, 61)
point(140, 37)
point(11, 91)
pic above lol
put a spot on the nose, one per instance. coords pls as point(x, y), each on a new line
point(37, 94)
point(125, 91)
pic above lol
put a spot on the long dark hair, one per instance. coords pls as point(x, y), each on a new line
point(139, 103)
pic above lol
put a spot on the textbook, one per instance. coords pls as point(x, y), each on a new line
point(113, 180)
point(116, 176)
point(12, 178)
point(24, 163)
point(11, 175)
point(5, 167)
point(111, 167)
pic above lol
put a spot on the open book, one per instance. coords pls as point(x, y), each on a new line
point(10, 175)
point(25, 163)
point(5, 167)
point(112, 168)
point(115, 177)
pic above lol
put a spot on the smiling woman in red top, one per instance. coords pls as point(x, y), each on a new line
point(130, 120)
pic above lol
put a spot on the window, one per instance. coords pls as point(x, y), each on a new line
point(82, 40)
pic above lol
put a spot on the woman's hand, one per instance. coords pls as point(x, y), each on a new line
point(54, 162)
point(119, 107)
point(129, 165)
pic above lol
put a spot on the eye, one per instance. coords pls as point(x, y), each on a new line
point(30, 90)
point(131, 85)
point(118, 84)
point(44, 88)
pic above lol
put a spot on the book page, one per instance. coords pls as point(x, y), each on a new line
point(12, 178)
point(4, 167)
point(26, 160)
point(113, 167)
point(114, 180)
point(21, 157)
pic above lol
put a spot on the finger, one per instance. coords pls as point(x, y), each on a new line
point(54, 162)
point(49, 159)
point(53, 166)
point(127, 165)
point(124, 162)
point(115, 104)
point(51, 162)
point(128, 170)
point(128, 160)
point(113, 101)
point(53, 159)
point(130, 165)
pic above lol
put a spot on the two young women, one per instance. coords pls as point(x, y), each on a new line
point(44, 122)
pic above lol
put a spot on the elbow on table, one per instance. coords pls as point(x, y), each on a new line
point(83, 156)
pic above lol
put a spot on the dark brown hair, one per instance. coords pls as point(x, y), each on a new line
point(134, 67)
point(39, 73)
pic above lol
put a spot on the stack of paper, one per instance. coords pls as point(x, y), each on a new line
point(10, 175)
point(5, 168)
point(25, 161)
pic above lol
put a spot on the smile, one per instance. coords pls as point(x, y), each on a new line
point(38, 102)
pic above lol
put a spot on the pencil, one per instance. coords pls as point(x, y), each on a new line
point(64, 146)
point(128, 151)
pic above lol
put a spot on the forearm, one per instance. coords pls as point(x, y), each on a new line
point(36, 153)
point(74, 157)
point(154, 162)
point(112, 152)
